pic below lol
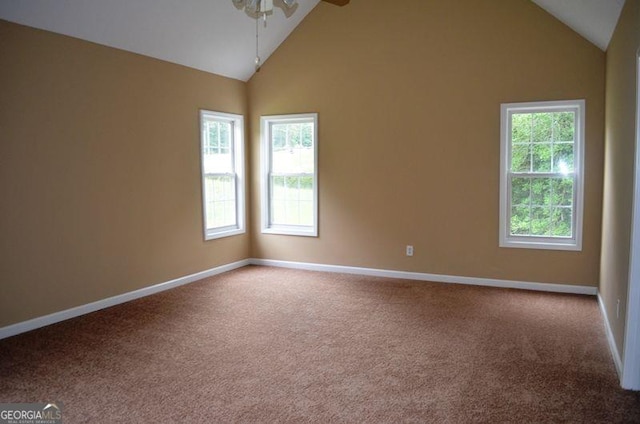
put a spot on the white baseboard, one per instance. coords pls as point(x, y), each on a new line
point(617, 359)
point(53, 318)
point(43, 321)
point(437, 278)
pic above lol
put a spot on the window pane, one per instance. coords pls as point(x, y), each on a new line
point(542, 124)
point(520, 220)
point(291, 195)
point(540, 221)
point(292, 148)
point(230, 212)
point(278, 211)
point(561, 222)
point(217, 150)
point(292, 200)
point(540, 191)
point(563, 158)
point(520, 191)
point(307, 135)
point(541, 176)
point(306, 212)
point(541, 206)
point(213, 141)
point(306, 189)
point(562, 189)
point(564, 126)
point(521, 158)
point(277, 194)
point(220, 201)
point(277, 187)
point(222, 174)
point(542, 157)
point(292, 212)
point(225, 137)
point(521, 128)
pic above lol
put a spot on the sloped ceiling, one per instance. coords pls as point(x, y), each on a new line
point(595, 20)
point(210, 35)
point(214, 36)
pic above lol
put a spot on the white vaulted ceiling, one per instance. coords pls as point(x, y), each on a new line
point(214, 36)
point(595, 20)
point(210, 35)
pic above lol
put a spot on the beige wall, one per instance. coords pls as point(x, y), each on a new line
point(619, 166)
point(99, 165)
point(408, 95)
point(99, 172)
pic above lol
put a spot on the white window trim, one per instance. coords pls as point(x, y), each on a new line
point(239, 168)
point(265, 131)
point(533, 242)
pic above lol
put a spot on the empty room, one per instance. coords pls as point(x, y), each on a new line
point(319, 211)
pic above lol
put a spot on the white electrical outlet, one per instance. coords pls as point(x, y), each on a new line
point(409, 250)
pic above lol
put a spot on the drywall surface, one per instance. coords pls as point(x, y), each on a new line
point(619, 166)
point(408, 96)
point(99, 172)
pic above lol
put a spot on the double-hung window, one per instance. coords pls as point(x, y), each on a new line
point(221, 139)
point(541, 180)
point(289, 174)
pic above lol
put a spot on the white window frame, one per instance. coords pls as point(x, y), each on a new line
point(237, 146)
point(266, 122)
point(539, 242)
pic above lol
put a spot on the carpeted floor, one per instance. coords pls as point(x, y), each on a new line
point(275, 345)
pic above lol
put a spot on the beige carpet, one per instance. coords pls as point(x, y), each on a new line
point(273, 345)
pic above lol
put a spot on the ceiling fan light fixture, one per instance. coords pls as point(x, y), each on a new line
point(265, 6)
point(253, 5)
point(261, 8)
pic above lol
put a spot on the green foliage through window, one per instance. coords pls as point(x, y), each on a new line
point(541, 174)
point(541, 206)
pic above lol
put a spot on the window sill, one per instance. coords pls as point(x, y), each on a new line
point(569, 245)
point(291, 231)
point(212, 235)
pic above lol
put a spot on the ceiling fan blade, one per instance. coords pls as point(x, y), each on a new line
point(337, 2)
